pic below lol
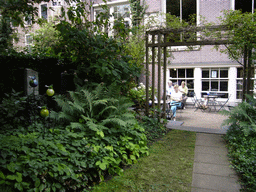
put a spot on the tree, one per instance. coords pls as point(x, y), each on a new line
point(45, 38)
point(14, 13)
point(242, 36)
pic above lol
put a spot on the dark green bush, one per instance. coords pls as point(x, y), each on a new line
point(11, 109)
point(153, 128)
point(98, 136)
point(242, 152)
point(54, 159)
point(241, 138)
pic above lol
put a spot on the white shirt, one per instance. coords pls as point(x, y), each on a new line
point(176, 96)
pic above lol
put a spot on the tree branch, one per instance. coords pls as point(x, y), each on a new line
point(232, 54)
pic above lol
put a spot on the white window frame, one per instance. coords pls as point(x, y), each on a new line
point(40, 7)
point(232, 5)
point(241, 81)
point(29, 22)
point(175, 80)
point(215, 79)
point(58, 3)
point(185, 48)
point(111, 6)
point(28, 45)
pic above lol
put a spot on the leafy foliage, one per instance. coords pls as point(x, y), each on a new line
point(243, 117)
point(95, 57)
point(45, 38)
point(153, 128)
point(98, 136)
point(241, 34)
point(11, 110)
point(241, 137)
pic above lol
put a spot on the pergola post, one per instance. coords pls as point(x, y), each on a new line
point(147, 74)
point(164, 82)
point(159, 72)
point(153, 73)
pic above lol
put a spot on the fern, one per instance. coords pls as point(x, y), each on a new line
point(243, 116)
point(114, 121)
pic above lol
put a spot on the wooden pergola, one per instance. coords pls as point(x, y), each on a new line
point(165, 40)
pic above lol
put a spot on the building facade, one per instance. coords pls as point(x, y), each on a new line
point(204, 69)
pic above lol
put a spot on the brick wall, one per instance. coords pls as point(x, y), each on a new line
point(211, 9)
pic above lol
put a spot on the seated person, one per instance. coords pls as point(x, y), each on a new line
point(169, 88)
point(176, 98)
point(184, 90)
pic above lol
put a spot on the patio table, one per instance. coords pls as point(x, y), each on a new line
point(211, 101)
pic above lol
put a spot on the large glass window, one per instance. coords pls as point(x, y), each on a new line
point(28, 42)
point(245, 5)
point(44, 11)
point(239, 83)
point(181, 8)
point(116, 13)
point(179, 75)
point(215, 80)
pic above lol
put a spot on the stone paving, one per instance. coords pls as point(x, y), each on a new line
point(211, 171)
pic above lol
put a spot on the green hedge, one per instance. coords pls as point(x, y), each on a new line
point(241, 138)
point(242, 152)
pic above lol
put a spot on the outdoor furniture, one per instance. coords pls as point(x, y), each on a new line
point(222, 104)
point(211, 102)
point(197, 103)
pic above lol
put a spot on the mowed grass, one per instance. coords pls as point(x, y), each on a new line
point(168, 167)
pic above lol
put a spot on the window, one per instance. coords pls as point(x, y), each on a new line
point(102, 14)
point(28, 20)
point(28, 42)
point(215, 80)
point(179, 75)
point(244, 5)
point(181, 8)
point(56, 2)
point(239, 83)
point(121, 11)
point(44, 11)
point(115, 13)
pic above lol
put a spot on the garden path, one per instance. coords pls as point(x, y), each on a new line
point(211, 170)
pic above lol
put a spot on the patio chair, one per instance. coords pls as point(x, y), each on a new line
point(197, 103)
point(222, 104)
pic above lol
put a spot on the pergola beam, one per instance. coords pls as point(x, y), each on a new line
point(190, 43)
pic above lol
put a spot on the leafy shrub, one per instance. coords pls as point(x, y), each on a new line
point(241, 138)
point(100, 136)
point(30, 162)
point(11, 110)
point(138, 94)
point(153, 128)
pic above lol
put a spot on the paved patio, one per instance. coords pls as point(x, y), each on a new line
point(199, 121)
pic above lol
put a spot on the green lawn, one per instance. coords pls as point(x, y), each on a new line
point(168, 167)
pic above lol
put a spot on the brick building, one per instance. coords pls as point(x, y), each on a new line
point(203, 69)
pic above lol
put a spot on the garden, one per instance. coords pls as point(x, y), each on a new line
point(73, 139)
point(70, 140)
